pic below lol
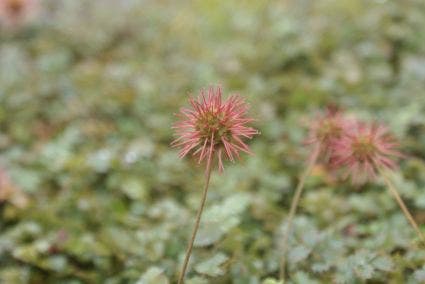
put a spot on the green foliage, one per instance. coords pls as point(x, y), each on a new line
point(271, 281)
point(87, 96)
point(220, 219)
point(153, 275)
point(211, 267)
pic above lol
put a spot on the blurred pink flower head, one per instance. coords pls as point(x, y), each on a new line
point(326, 128)
point(363, 150)
point(14, 13)
point(213, 127)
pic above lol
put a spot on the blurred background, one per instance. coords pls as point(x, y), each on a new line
point(91, 191)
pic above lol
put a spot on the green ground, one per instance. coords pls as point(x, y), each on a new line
point(87, 96)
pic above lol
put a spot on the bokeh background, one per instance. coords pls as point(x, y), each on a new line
point(91, 192)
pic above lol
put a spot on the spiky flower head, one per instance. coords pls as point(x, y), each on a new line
point(213, 127)
point(326, 128)
point(14, 13)
point(364, 150)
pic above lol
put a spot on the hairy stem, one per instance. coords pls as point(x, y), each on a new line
point(403, 207)
point(196, 227)
point(294, 205)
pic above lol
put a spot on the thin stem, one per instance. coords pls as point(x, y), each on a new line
point(196, 227)
point(294, 205)
point(403, 207)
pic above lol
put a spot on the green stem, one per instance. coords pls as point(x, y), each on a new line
point(294, 205)
point(196, 227)
point(403, 207)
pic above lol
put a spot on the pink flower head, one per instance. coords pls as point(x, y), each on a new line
point(213, 127)
point(326, 128)
point(14, 13)
point(364, 150)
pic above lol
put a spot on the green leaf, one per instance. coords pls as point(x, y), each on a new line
point(320, 267)
point(301, 277)
point(211, 267)
point(365, 271)
point(197, 280)
point(271, 281)
point(420, 274)
point(220, 219)
point(56, 263)
point(383, 263)
point(153, 275)
point(299, 253)
point(134, 188)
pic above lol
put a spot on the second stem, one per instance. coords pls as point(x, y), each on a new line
point(403, 207)
point(298, 191)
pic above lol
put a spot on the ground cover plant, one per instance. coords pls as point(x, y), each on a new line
point(92, 192)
